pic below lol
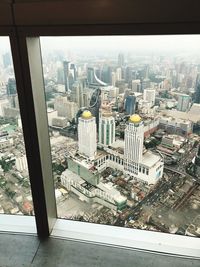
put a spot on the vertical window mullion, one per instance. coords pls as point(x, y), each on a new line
point(28, 70)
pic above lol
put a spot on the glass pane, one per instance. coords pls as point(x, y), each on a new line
point(124, 125)
point(15, 193)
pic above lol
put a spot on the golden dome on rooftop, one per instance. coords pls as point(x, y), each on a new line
point(86, 114)
point(135, 118)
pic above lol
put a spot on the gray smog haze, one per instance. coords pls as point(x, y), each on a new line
point(161, 43)
point(125, 43)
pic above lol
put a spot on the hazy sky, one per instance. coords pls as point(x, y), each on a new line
point(118, 43)
point(4, 44)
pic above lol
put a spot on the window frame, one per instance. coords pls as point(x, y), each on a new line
point(46, 218)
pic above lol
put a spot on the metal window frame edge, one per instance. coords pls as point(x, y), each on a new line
point(62, 228)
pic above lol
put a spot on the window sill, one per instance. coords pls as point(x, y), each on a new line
point(18, 224)
point(154, 242)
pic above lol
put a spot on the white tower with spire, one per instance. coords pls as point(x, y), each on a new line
point(134, 137)
point(87, 135)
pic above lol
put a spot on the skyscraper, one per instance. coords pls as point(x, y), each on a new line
point(118, 74)
point(87, 131)
point(134, 137)
point(150, 95)
point(136, 86)
point(92, 78)
point(145, 84)
point(113, 78)
point(183, 102)
point(197, 90)
point(95, 103)
point(120, 60)
point(130, 103)
point(65, 108)
point(11, 87)
point(77, 93)
point(7, 59)
point(66, 75)
point(106, 129)
point(60, 76)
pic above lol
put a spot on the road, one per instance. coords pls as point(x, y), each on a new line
point(162, 187)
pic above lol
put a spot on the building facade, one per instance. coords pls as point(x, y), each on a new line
point(183, 102)
point(87, 132)
point(130, 104)
point(142, 165)
point(106, 129)
point(134, 137)
point(150, 96)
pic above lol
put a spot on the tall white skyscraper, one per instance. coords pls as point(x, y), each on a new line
point(150, 95)
point(106, 129)
point(134, 137)
point(118, 74)
point(87, 131)
point(113, 78)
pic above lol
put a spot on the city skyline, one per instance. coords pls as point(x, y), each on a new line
point(124, 132)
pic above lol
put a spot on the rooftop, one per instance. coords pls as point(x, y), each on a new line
point(192, 115)
point(73, 176)
point(149, 159)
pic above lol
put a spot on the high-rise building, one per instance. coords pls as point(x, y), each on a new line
point(120, 60)
point(129, 74)
point(197, 90)
point(150, 96)
point(136, 86)
point(121, 85)
point(113, 92)
point(183, 102)
point(77, 93)
point(145, 84)
point(118, 74)
point(141, 164)
point(134, 137)
point(130, 103)
point(11, 87)
point(60, 105)
point(106, 129)
point(6, 60)
point(70, 74)
point(92, 78)
point(113, 78)
point(107, 74)
point(60, 76)
point(87, 94)
point(66, 75)
point(65, 108)
point(87, 132)
point(95, 103)
point(51, 113)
